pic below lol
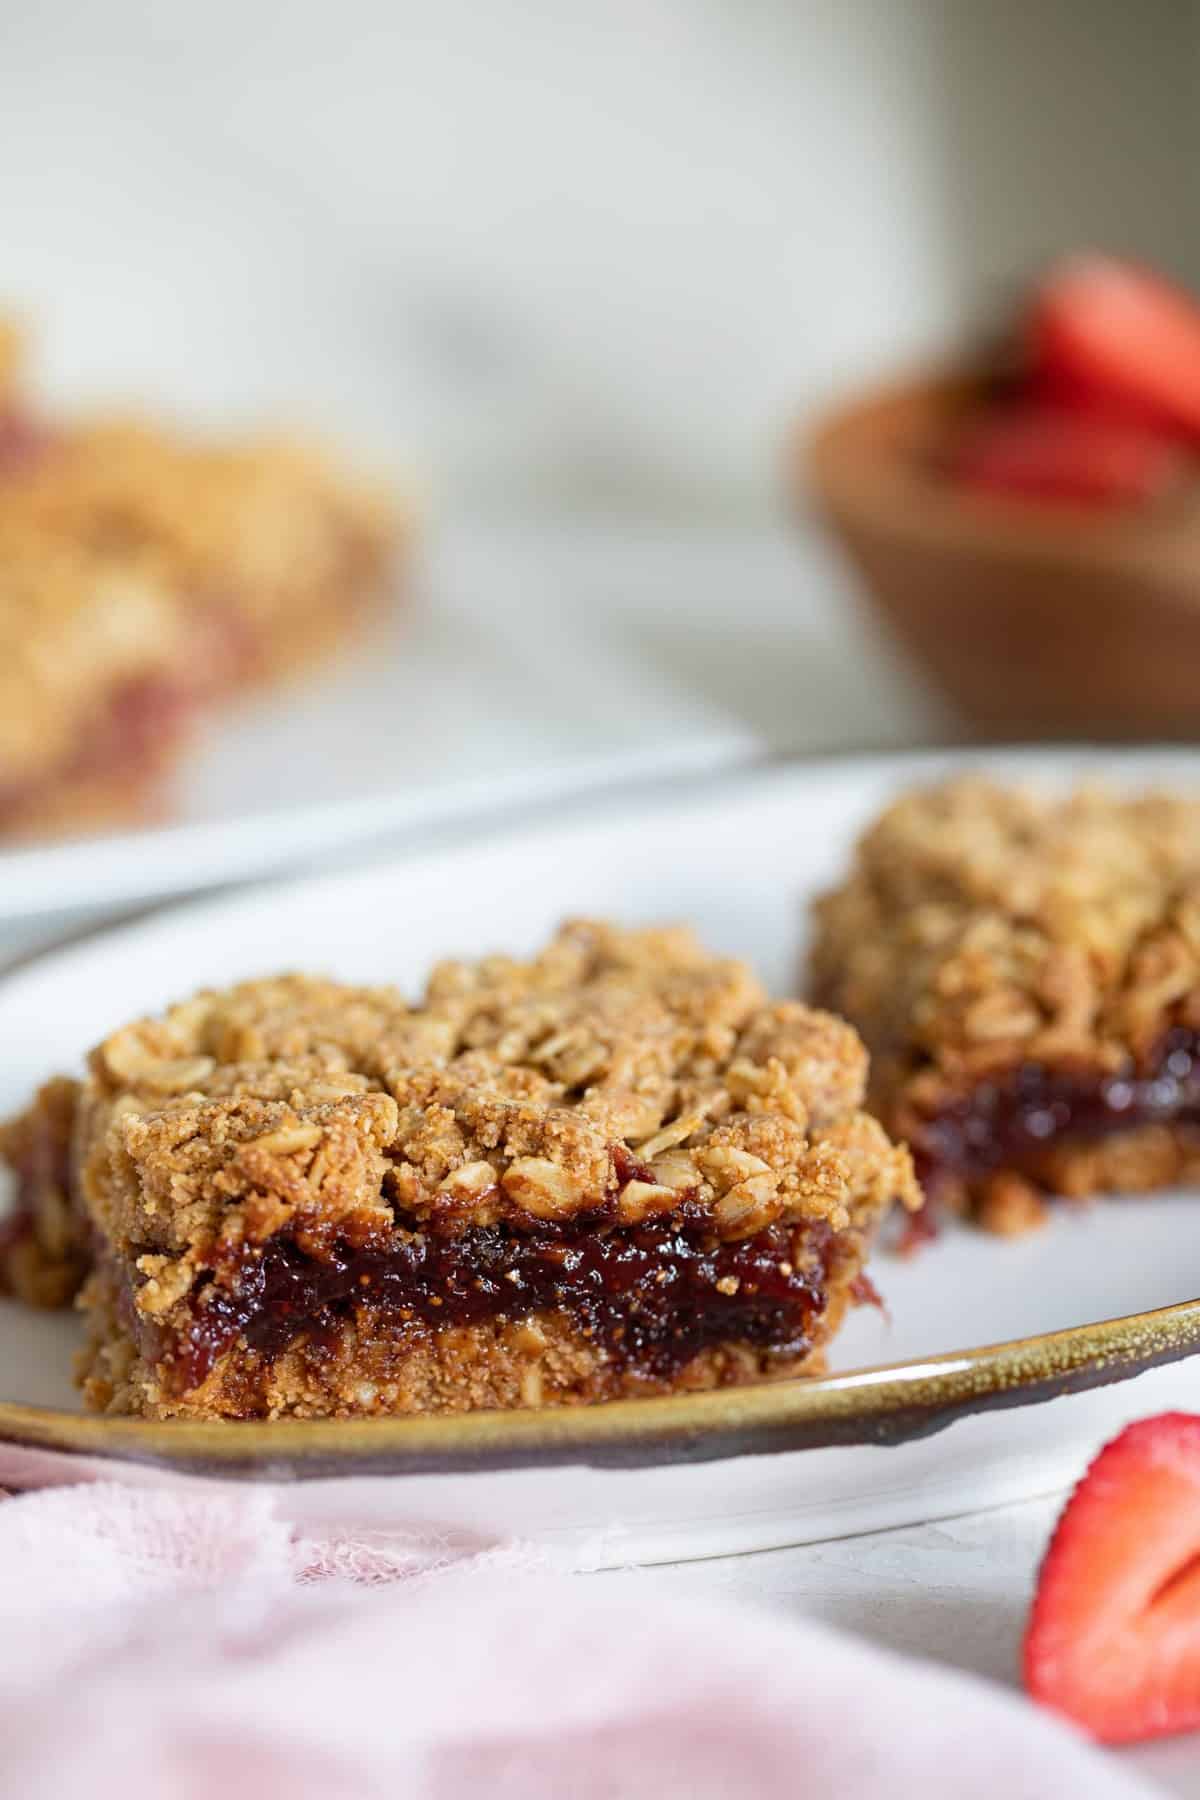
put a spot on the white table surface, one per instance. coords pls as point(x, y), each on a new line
point(753, 625)
point(956, 1592)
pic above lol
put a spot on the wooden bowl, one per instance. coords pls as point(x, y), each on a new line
point(1033, 620)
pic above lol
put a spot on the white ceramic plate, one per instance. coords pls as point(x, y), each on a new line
point(739, 856)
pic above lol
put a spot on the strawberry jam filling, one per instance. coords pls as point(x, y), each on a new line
point(651, 1296)
point(1011, 1122)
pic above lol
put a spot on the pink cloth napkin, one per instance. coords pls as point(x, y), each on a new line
point(190, 1645)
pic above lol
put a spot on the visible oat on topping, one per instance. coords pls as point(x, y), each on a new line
point(617, 1150)
point(1011, 959)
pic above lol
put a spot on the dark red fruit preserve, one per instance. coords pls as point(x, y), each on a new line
point(652, 1295)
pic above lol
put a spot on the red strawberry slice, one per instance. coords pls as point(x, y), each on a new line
point(1061, 391)
point(1045, 453)
point(1114, 1636)
point(1110, 334)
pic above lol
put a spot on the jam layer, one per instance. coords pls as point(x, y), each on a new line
point(652, 1296)
point(1011, 1123)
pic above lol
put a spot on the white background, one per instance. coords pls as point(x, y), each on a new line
point(566, 251)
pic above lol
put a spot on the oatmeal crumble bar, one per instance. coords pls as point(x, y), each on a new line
point(1025, 971)
point(612, 1169)
point(143, 576)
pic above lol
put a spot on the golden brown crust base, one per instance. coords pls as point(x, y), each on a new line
point(534, 1362)
point(1131, 1162)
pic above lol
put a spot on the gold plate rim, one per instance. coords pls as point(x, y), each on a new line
point(887, 1404)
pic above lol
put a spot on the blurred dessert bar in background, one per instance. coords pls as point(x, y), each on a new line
point(144, 577)
point(1025, 971)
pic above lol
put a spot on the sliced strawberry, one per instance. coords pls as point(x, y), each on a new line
point(1114, 1636)
point(1108, 333)
point(1060, 391)
point(1046, 453)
